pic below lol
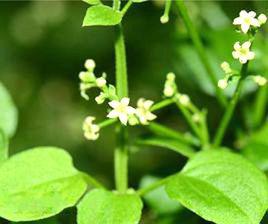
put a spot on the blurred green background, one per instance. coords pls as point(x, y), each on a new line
point(43, 48)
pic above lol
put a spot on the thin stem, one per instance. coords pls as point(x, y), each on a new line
point(126, 7)
point(200, 49)
point(107, 123)
point(154, 186)
point(92, 181)
point(230, 108)
point(260, 105)
point(168, 132)
point(189, 120)
point(162, 104)
point(204, 130)
point(121, 151)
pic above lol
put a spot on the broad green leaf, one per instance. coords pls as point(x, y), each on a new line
point(256, 149)
point(3, 146)
point(92, 2)
point(8, 112)
point(168, 143)
point(101, 15)
point(38, 183)
point(153, 198)
point(103, 207)
point(221, 187)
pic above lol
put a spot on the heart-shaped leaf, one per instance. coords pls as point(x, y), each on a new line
point(101, 206)
point(221, 187)
point(8, 112)
point(38, 183)
point(101, 15)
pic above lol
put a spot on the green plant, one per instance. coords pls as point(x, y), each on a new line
point(216, 183)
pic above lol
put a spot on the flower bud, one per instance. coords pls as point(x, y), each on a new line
point(90, 64)
point(262, 19)
point(222, 83)
point(101, 82)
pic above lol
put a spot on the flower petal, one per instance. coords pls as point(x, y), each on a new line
point(114, 104)
point(123, 118)
point(125, 101)
point(113, 114)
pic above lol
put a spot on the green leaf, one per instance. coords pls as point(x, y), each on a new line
point(168, 143)
point(221, 187)
point(101, 15)
point(104, 207)
point(92, 2)
point(3, 146)
point(256, 149)
point(153, 198)
point(8, 112)
point(38, 183)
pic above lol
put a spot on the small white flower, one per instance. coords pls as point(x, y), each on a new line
point(184, 99)
point(170, 87)
point(91, 131)
point(245, 20)
point(121, 110)
point(242, 52)
point(87, 76)
point(101, 82)
point(164, 19)
point(260, 80)
point(90, 64)
point(143, 111)
point(101, 98)
point(226, 67)
point(222, 83)
point(262, 19)
point(196, 117)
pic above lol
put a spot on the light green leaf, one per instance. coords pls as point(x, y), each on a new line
point(8, 112)
point(256, 149)
point(104, 207)
point(3, 146)
point(168, 143)
point(153, 198)
point(38, 183)
point(92, 2)
point(221, 187)
point(101, 15)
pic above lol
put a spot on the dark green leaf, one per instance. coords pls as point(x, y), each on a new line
point(101, 15)
point(221, 187)
point(38, 183)
point(104, 207)
point(168, 143)
point(8, 113)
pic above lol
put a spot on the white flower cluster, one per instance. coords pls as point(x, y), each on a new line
point(127, 114)
point(242, 52)
point(89, 80)
point(91, 130)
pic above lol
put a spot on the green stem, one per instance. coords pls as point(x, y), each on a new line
point(121, 151)
point(107, 123)
point(162, 104)
point(170, 133)
point(200, 49)
point(189, 119)
point(230, 108)
point(154, 186)
point(92, 181)
point(260, 105)
point(126, 7)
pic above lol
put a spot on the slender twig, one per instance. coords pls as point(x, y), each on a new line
point(154, 186)
point(200, 49)
point(230, 108)
point(107, 123)
point(162, 104)
point(126, 7)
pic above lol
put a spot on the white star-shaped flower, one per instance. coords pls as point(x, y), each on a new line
point(143, 111)
point(121, 110)
point(246, 19)
point(242, 52)
point(91, 131)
